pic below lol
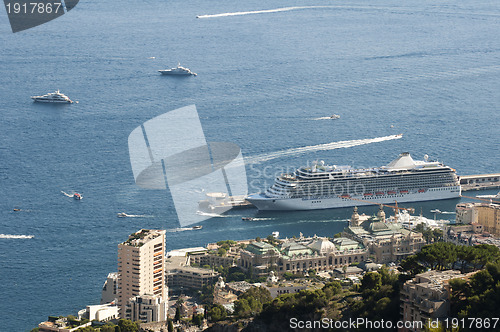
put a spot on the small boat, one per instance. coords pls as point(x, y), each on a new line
point(16, 209)
point(334, 116)
point(54, 97)
point(391, 193)
point(436, 211)
point(275, 234)
point(197, 227)
point(77, 196)
point(421, 190)
point(247, 218)
point(404, 191)
point(379, 193)
point(179, 70)
point(368, 194)
point(122, 215)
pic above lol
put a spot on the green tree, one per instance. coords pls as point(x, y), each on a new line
point(371, 281)
point(170, 327)
point(126, 325)
point(197, 319)
point(177, 316)
point(222, 252)
point(217, 313)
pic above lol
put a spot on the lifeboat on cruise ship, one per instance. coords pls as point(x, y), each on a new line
point(404, 191)
point(421, 190)
point(345, 196)
point(379, 193)
point(391, 193)
point(368, 194)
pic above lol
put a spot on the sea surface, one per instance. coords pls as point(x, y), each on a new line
point(429, 70)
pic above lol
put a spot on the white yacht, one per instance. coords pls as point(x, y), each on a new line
point(179, 70)
point(53, 97)
point(334, 116)
point(323, 187)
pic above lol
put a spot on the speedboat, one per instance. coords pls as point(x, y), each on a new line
point(334, 116)
point(247, 218)
point(197, 227)
point(179, 70)
point(122, 215)
point(53, 97)
point(77, 196)
point(436, 211)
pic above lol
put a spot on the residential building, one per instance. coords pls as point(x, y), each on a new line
point(141, 271)
point(190, 277)
point(427, 295)
point(487, 215)
point(109, 289)
point(147, 308)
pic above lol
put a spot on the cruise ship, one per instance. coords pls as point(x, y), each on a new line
point(324, 187)
point(54, 97)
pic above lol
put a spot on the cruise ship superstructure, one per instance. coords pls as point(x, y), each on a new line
point(323, 187)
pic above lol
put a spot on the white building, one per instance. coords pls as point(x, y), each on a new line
point(100, 312)
point(141, 271)
point(147, 308)
point(109, 289)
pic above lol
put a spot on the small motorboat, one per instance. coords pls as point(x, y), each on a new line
point(197, 227)
point(247, 218)
point(436, 211)
point(334, 116)
point(122, 215)
point(16, 209)
point(77, 196)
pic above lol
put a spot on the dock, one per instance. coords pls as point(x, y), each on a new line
point(480, 181)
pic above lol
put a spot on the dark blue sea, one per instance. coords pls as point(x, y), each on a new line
point(429, 70)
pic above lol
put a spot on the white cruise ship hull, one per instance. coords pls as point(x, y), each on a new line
point(282, 204)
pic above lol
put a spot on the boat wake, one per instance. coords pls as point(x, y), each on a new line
point(447, 212)
point(323, 118)
point(320, 147)
point(180, 229)
point(262, 219)
point(126, 215)
point(276, 10)
point(65, 193)
point(9, 236)
point(209, 214)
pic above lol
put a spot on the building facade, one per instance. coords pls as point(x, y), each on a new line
point(487, 215)
point(427, 296)
point(299, 256)
point(110, 288)
point(147, 308)
point(387, 242)
point(141, 269)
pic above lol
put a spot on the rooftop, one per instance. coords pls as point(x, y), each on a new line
point(139, 238)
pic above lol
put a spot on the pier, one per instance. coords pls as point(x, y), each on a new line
point(480, 181)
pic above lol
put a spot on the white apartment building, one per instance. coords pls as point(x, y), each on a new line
point(141, 270)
